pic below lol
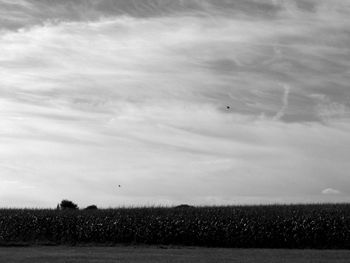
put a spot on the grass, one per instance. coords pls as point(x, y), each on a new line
point(155, 254)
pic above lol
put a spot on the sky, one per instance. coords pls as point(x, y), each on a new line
point(205, 102)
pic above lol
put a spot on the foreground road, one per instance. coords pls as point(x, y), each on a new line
point(169, 255)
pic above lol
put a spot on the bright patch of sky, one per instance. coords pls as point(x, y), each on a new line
point(94, 94)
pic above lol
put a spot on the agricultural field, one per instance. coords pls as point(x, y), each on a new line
point(324, 226)
point(142, 254)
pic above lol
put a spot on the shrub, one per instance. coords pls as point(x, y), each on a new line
point(66, 204)
point(91, 207)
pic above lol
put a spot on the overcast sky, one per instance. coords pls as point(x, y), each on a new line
point(100, 93)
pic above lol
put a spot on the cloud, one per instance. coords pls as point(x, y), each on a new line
point(121, 49)
point(104, 95)
point(13, 185)
point(331, 191)
point(284, 107)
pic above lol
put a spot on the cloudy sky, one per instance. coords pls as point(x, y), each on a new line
point(178, 101)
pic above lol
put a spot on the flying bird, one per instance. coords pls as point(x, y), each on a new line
point(228, 107)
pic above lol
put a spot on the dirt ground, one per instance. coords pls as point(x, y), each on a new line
point(167, 254)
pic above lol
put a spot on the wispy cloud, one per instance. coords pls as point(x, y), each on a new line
point(284, 107)
point(136, 93)
point(331, 191)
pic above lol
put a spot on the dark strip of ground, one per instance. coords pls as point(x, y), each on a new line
point(167, 254)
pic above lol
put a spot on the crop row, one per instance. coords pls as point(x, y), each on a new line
point(276, 226)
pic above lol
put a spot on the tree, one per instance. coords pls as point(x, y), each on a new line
point(91, 207)
point(66, 204)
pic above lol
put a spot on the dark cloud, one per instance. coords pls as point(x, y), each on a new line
point(306, 5)
point(26, 13)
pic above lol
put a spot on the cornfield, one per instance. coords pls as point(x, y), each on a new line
point(272, 226)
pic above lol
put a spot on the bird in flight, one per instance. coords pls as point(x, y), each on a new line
point(228, 107)
point(119, 185)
